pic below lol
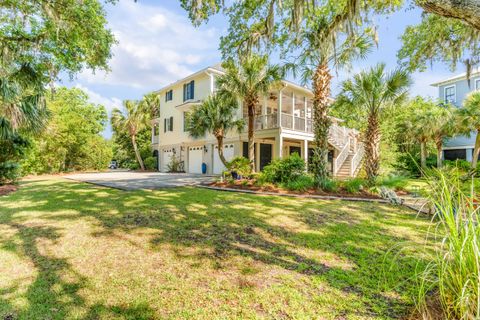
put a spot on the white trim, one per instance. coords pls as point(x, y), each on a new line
point(454, 86)
point(462, 76)
point(458, 148)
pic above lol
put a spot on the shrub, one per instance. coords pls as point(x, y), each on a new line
point(174, 164)
point(151, 163)
point(284, 170)
point(354, 185)
point(462, 165)
point(327, 185)
point(9, 172)
point(301, 183)
point(393, 182)
point(454, 266)
point(240, 165)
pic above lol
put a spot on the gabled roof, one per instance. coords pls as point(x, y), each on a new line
point(462, 76)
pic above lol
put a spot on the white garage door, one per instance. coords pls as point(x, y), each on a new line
point(228, 153)
point(195, 157)
point(167, 156)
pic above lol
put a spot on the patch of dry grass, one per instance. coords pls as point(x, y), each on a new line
point(76, 251)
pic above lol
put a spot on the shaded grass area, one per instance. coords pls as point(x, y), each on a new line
point(77, 251)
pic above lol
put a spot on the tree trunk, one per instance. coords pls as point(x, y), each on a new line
point(251, 129)
point(476, 150)
point(372, 147)
point(321, 122)
point(220, 148)
point(423, 156)
point(439, 144)
point(137, 153)
point(465, 10)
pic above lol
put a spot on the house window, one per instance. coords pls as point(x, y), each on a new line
point(185, 121)
point(189, 90)
point(477, 84)
point(169, 95)
point(168, 124)
point(450, 94)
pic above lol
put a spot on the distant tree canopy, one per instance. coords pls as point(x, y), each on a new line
point(72, 139)
point(39, 40)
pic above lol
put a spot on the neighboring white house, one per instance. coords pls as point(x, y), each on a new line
point(454, 90)
point(283, 126)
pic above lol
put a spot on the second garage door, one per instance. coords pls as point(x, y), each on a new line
point(166, 158)
point(228, 153)
point(195, 159)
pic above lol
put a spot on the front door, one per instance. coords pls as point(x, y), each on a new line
point(265, 154)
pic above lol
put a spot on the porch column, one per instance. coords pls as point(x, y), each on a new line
point(305, 113)
point(257, 156)
point(305, 151)
point(278, 147)
point(279, 109)
point(264, 113)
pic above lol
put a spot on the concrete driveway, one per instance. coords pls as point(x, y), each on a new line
point(129, 180)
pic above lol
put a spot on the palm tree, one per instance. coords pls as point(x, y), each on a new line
point(470, 118)
point(151, 104)
point(247, 81)
point(216, 115)
point(320, 49)
point(132, 121)
point(440, 125)
point(372, 92)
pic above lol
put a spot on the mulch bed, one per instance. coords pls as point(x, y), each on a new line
point(8, 188)
point(249, 185)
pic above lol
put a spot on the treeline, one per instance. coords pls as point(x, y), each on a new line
point(71, 139)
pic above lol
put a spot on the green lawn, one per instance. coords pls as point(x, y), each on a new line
point(75, 251)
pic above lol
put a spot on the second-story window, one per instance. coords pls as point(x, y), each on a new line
point(168, 95)
point(189, 91)
point(477, 84)
point(168, 124)
point(450, 94)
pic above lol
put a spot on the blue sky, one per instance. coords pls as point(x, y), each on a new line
point(157, 45)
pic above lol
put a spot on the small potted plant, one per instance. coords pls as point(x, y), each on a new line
point(239, 167)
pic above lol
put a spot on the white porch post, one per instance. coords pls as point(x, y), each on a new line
point(305, 113)
point(278, 147)
point(305, 151)
point(257, 156)
point(279, 109)
point(264, 113)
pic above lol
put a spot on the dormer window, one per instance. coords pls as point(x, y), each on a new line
point(450, 95)
point(189, 91)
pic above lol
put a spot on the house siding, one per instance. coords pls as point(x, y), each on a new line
point(462, 89)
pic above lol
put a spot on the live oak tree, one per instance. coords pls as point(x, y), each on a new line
point(38, 41)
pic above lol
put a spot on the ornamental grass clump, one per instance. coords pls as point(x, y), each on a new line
point(452, 277)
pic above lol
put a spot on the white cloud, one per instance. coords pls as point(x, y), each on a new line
point(156, 47)
point(108, 103)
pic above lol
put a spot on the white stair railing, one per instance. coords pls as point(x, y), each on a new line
point(340, 159)
point(357, 159)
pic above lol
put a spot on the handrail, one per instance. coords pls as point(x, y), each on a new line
point(357, 159)
point(342, 156)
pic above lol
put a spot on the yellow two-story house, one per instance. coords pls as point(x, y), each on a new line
point(283, 125)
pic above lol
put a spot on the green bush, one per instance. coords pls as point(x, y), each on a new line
point(462, 165)
point(174, 164)
point(284, 170)
point(9, 172)
point(301, 183)
point(327, 185)
point(393, 182)
point(150, 163)
point(411, 164)
point(240, 165)
point(354, 185)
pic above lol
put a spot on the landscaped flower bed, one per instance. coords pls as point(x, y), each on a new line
point(244, 184)
point(6, 189)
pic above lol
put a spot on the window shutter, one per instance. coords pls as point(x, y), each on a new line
point(165, 125)
point(184, 92)
point(192, 89)
point(171, 123)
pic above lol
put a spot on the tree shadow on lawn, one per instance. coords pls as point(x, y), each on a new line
point(225, 225)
